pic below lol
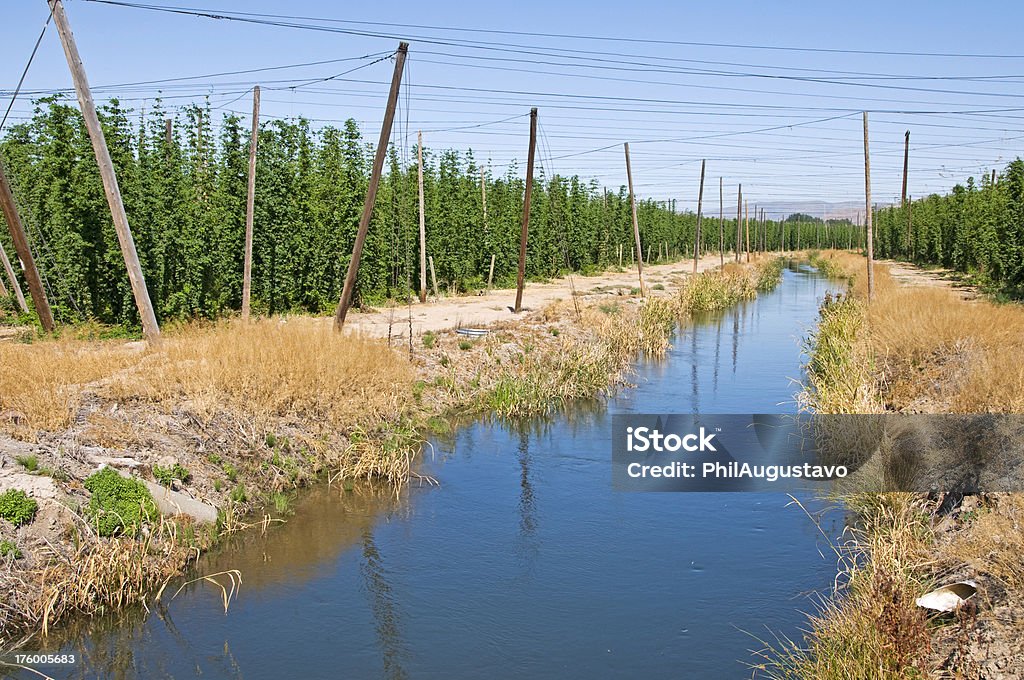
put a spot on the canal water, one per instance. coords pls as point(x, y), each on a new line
point(523, 563)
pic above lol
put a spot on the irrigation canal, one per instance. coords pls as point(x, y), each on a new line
point(523, 563)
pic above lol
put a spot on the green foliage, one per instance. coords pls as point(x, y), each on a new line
point(185, 199)
point(238, 494)
point(429, 338)
point(16, 507)
point(119, 505)
point(9, 550)
point(977, 229)
point(29, 462)
point(166, 476)
point(465, 344)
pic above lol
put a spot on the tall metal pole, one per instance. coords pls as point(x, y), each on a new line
point(868, 211)
point(371, 192)
point(636, 223)
point(150, 328)
point(250, 204)
point(524, 232)
point(17, 231)
point(423, 219)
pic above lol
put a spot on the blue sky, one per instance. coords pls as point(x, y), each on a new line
point(675, 104)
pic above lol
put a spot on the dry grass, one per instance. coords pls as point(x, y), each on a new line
point(296, 369)
point(41, 384)
point(993, 543)
point(932, 350)
point(873, 630)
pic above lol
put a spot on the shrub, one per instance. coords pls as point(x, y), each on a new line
point(165, 476)
point(16, 507)
point(30, 462)
point(9, 549)
point(118, 504)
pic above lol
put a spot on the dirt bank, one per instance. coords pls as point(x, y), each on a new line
point(233, 419)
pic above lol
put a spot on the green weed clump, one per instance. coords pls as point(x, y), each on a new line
point(166, 476)
point(9, 550)
point(16, 507)
point(769, 274)
point(716, 290)
point(837, 378)
point(118, 505)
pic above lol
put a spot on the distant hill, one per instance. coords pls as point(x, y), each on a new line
point(779, 210)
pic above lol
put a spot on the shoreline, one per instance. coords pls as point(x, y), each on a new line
point(919, 347)
point(197, 405)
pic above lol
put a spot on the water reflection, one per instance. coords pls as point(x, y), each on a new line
point(524, 563)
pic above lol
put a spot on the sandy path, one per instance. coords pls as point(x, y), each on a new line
point(481, 310)
point(911, 275)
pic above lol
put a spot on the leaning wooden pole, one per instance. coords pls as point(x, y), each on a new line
point(525, 230)
point(700, 207)
point(21, 247)
point(869, 236)
point(636, 223)
point(371, 191)
point(721, 222)
point(150, 328)
point(15, 286)
point(423, 219)
point(250, 204)
point(906, 167)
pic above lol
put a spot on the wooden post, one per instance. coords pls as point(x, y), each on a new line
point(483, 195)
point(150, 328)
point(868, 212)
point(910, 225)
point(525, 230)
point(739, 220)
point(721, 221)
point(250, 204)
point(906, 165)
point(371, 192)
point(423, 219)
point(746, 227)
point(168, 132)
point(433, 276)
point(21, 247)
point(14, 281)
point(490, 273)
point(700, 206)
point(620, 256)
point(636, 224)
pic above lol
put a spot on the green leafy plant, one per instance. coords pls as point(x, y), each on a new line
point(9, 550)
point(166, 476)
point(29, 462)
point(16, 507)
point(119, 505)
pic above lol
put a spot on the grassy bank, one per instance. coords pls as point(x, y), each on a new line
point(240, 416)
point(921, 350)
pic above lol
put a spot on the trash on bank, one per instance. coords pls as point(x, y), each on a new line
point(948, 598)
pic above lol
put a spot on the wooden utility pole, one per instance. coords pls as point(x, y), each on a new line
point(21, 247)
point(525, 230)
point(15, 286)
point(906, 165)
point(433, 277)
point(423, 218)
point(746, 226)
point(636, 224)
point(700, 206)
point(490, 274)
point(739, 221)
point(371, 192)
point(868, 211)
point(150, 328)
point(250, 204)
point(168, 132)
point(721, 222)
